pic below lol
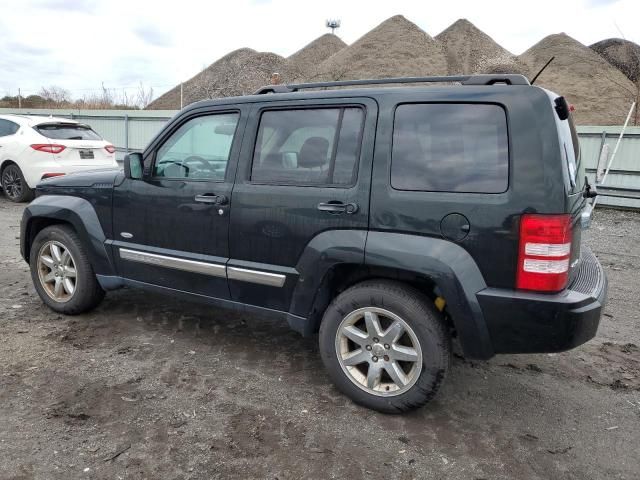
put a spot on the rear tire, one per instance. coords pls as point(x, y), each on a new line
point(368, 363)
point(14, 185)
point(61, 272)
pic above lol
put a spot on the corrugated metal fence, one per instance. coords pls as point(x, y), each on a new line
point(622, 187)
point(128, 130)
point(131, 130)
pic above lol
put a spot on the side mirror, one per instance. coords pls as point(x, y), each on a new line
point(133, 166)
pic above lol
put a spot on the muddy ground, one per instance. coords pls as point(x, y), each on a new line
point(150, 387)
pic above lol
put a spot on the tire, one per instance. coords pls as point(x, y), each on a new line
point(47, 258)
point(425, 341)
point(14, 185)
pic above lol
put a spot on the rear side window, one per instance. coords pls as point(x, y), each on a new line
point(67, 131)
point(8, 128)
point(308, 146)
point(450, 148)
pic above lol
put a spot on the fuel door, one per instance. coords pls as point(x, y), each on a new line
point(455, 227)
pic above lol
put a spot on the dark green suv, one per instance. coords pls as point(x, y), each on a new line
point(391, 219)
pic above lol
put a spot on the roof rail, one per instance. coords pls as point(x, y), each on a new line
point(485, 79)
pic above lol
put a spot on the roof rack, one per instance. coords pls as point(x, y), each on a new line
point(508, 79)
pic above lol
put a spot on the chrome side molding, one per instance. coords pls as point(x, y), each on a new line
point(213, 269)
point(256, 276)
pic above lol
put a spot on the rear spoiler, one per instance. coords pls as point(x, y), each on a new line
point(65, 123)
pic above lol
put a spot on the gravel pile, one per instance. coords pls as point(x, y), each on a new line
point(240, 72)
point(395, 48)
point(596, 80)
point(622, 54)
point(469, 50)
point(601, 93)
point(303, 65)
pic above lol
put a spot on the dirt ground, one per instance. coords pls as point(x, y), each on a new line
point(150, 387)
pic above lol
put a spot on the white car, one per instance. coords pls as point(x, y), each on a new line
point(34, 148)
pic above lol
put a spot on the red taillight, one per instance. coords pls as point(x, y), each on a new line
point(545, 249)
point(50, 175)
point(110, 148)
point(48, 147)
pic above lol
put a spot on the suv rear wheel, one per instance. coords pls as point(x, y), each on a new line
point(61, 271)
point(14, 184)
point(385, 346)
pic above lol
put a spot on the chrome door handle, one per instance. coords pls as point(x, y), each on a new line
point(338, 207)
point(212, 198)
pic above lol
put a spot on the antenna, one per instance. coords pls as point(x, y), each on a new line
point(333, 24)
point(542, 70)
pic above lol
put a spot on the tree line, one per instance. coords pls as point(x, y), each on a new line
point(58, 97)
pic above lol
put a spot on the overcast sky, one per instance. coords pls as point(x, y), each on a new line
point(79, 44)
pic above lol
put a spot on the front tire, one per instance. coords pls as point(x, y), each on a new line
point(385, 346)
point(14, 185)
point(61, 272)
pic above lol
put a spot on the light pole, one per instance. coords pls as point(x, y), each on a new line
point(333, 24)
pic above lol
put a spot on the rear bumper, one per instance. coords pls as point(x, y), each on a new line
point(521, 322)
point(33, 176)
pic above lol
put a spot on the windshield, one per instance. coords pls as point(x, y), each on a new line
point(67, 131)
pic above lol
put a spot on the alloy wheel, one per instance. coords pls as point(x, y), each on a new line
point(12, 183)
point(57, 271)
point(378, 351)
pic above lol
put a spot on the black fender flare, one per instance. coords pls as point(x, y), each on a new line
point(77, 212)
point(451, 268)
point(322, 253)
point(445, 263)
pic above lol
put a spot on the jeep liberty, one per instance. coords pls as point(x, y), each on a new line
point(393, 220)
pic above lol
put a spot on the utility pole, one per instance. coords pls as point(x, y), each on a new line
point(19, 99)
point(181, 94)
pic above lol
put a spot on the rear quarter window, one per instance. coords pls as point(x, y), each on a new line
point(450, 148)
point(8, 128)
point(570, 146)
point(62, 131)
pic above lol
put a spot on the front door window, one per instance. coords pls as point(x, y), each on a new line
point(198, 150)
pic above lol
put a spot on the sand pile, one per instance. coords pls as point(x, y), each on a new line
point(303, 65)
point(240, 72)
point(469, 50)
point(395, 48)
point(622, 54)
point(600, 92)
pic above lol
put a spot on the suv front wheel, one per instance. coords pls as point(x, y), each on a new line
point(61, 272)
point(385, 346)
